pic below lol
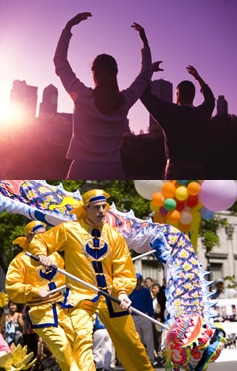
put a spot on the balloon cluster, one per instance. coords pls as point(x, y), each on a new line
point(183, 202)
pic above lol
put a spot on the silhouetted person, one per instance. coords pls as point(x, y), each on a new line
point(100, 114)
point(184, 126)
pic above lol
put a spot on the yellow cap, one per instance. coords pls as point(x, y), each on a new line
point(34, 227)
point(92, 196)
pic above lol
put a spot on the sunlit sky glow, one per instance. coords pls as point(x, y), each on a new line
point(198, 32)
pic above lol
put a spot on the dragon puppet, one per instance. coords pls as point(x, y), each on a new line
point(192, 340)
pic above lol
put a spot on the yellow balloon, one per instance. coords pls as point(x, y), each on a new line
point(181, 193)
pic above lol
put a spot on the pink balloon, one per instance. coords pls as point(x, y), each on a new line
point(218, 195)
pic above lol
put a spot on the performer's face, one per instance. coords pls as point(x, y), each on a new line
point(96, 212)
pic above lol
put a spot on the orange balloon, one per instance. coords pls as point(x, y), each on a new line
point(158, 199)
point(184, 227)
point(193, 188)
point(168, 189)
point(173, 216)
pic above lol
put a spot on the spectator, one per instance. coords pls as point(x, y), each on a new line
point(148, 282)
point(142, 300)
point(159, 301)
point(221, 292)
point(14, 325)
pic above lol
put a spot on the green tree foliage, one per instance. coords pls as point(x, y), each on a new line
point(208, 232)
point(11, 227)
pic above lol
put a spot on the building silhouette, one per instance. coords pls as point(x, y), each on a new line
point(23, 100)
point(222, 105)
point(49, 102)
point(164, 90)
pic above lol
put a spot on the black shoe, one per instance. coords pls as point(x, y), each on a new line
point(159, 362)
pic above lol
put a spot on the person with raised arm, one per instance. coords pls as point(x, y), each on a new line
point(184, 126)
point(100, 113)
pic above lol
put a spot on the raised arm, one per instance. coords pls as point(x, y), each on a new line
point(142, 33)
point(77, 19)
point(192, 70)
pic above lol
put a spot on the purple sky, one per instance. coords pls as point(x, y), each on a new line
point(180, 32)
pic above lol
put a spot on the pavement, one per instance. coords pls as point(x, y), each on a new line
point(227, 360)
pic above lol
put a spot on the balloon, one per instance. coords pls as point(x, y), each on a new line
point(183, 182)
point(218, 195)
point(206, 214)
point(180, 205)
point(193, 188)
point(173, 216)
point(168, 189)
point(146, 188)
point(158, 199)
point(184, 227)
point(163, 211)
point(153, 207)
point(159, 218)
point(181, 193)
point(192, 201)
point(169, 204)
point(185, 217)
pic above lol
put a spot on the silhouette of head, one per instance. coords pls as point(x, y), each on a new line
point(185, 92)
point(106, 62)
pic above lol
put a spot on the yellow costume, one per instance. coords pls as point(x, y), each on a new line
point(99, 256)
point(49, 320)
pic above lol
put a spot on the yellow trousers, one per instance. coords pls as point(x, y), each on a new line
point(129, 348)
point(74, 351)
point(60, 340)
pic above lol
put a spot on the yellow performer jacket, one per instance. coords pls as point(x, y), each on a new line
point(97, 255)
point(24, 279)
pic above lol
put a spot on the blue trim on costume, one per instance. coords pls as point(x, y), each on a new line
point(48, 274)
point(112, 313)
point(97, 198)
point(37, 227)
point(64, 303)
point(96, 252)
point(48, 324)
point(52, 286)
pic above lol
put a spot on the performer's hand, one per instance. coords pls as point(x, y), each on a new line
point(43, 294)
point(45, 260)
point(125, 302)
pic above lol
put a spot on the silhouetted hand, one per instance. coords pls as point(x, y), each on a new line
point(155, 67)
point(192, 70)
point(77, 19)
point(142, 33)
